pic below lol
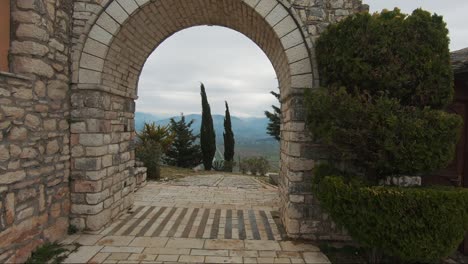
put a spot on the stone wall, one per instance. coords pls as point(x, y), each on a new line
point(102, 177)
point(67, 106)
point(301, 212)
point(34, 112)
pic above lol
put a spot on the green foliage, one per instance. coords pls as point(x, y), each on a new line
point(53, 253)
point(255, 165)
point(219, 165)
point(379, 135)
point(405, 56)
point(150, 154)
point(274, 125)
point(207, 133)
point(183, 152)
point(229, 141)
point(413, 224)
point(151, 141)
point(160, 134)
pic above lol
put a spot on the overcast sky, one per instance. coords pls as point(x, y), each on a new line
point(235, 69)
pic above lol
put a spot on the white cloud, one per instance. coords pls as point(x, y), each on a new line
point(231, 66)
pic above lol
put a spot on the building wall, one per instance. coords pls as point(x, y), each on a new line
point(34, 113)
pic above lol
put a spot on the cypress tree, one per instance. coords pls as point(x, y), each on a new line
point(228, 141)
point(183, 152)
point(207, 133)
point(274, 125)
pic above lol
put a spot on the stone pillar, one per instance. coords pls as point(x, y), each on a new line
point(102, 179)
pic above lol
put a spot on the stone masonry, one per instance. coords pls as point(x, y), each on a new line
point(67, 106)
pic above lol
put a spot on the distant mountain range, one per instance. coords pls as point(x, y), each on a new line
point(246, 130)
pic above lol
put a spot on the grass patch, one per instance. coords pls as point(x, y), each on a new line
point(52, 253)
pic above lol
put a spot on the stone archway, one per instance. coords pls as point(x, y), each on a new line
point(107, 61)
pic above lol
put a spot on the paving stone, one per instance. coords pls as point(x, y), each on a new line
point(83, 254)
point(185, 243)
point(214, 259)
point(224, 244)
point(112, 249)
point(118, 256)
point(166, 258)
point(212, 252)
point(115, 241)
point(157, 242)
point(262, 245)
point(88, 240)
point(297, 246)
point(99, 258)
point(191, 259)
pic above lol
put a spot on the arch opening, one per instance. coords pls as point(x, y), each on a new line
point(106, 80)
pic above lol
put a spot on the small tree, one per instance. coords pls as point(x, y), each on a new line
point(152, 140)
point(388, 79)
point(229, 142)
point(274, 125)
point(207, 133)
point(183, 152)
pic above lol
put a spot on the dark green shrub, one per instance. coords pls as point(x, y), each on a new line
point(406, 56)
point(255, 165)
point(414, 224)
point(150, 154)
point(152, 140)
point(218, 165)
point(380, 136)
point(52, 253)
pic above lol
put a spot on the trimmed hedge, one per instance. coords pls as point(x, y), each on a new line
point(380, 136)
point(413, 224)
point(406, 56)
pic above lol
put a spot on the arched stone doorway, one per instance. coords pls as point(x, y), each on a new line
point(107, 60)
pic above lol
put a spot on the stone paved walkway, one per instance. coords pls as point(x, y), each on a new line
point(198, 219)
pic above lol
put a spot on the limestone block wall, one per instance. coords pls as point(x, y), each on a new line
point(301, 212)
point(102, 163)
point(34, 138)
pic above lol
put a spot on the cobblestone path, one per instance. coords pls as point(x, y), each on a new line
point(198, 219)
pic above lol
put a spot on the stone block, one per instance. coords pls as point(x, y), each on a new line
point(12, 177)
point(264, 7)
point(28, 47)
point(90, 164)
point(97, 221)
point(86, 209)
point(292, 39)
point(117, 12)
point(57, 90)
point(276, 15)
point(81, 186)
point(91, 140)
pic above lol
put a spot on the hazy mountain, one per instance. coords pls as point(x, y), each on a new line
point(246, 130)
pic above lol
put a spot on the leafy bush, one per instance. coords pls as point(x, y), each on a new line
point(379, 135)
point(218, 165)
point(414, 224)
point(150, 154)
point(255, 165)
point(406, 56)
point(151, 141)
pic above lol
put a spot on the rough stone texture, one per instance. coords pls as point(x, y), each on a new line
point(67, 107)
point(114, 38)
point(34, 148)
